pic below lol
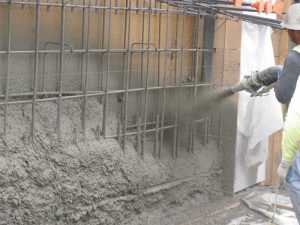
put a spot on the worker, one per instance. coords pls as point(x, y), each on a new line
point(287, 91)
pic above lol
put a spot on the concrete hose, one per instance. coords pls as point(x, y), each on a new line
point(268, 76)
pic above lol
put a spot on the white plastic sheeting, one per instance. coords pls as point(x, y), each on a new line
point(258, 117)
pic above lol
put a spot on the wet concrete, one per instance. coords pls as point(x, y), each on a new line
point(92, 182)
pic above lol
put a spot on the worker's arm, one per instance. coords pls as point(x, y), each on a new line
point(286, 84)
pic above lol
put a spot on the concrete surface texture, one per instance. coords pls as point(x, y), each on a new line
point(93, 182)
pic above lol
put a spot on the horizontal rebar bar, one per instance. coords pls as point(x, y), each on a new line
point(81, 51)
point(155, 129)
point(98, 7)
point(91, 93)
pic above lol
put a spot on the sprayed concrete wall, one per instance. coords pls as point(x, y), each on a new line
point(74, 149)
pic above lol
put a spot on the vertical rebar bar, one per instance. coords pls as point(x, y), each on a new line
point(158, 56)
point(82, 45)
point(127, 76)
point(175, 136)
point(142, 55)
point(181, 78)
point(98, 132)
point(7, 78)
point(61, 70)
point(86, 72)
point(100, 84)
point(139, 139)
point(166, 69)
point(36, 63)
point(124, 59)
point(116, 5)
point(193, 125)
point(147, 80)
point(119, 129)
point(108, 72)
point(156, 146)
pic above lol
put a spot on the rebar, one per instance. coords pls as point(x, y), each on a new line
point(36, 64)
point(104, 123)
point(61, 71)
point(150, 58)
point(6, 88)
point(164, 82)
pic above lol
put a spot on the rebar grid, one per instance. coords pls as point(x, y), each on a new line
point(158, 58)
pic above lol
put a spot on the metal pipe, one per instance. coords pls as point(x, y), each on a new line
point(36, 64)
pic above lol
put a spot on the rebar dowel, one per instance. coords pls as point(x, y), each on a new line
point(75, 136)
point(147, 81)
point(36, 64)
point(156, 146)
point(84, 108)
point(180, 81)
point(175, 136)
point(119, 129)
point(7, 78)
point(127, 77)
point(139, 138)
point(61, 71)
point(98, 132)
point(104, 123)
point(166, 69)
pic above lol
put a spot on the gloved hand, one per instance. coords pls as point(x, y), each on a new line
point(283, 169)
point(267, 76)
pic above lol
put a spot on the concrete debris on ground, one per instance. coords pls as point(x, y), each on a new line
point(264, 204)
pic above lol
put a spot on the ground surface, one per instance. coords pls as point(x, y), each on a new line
point(227, 210)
